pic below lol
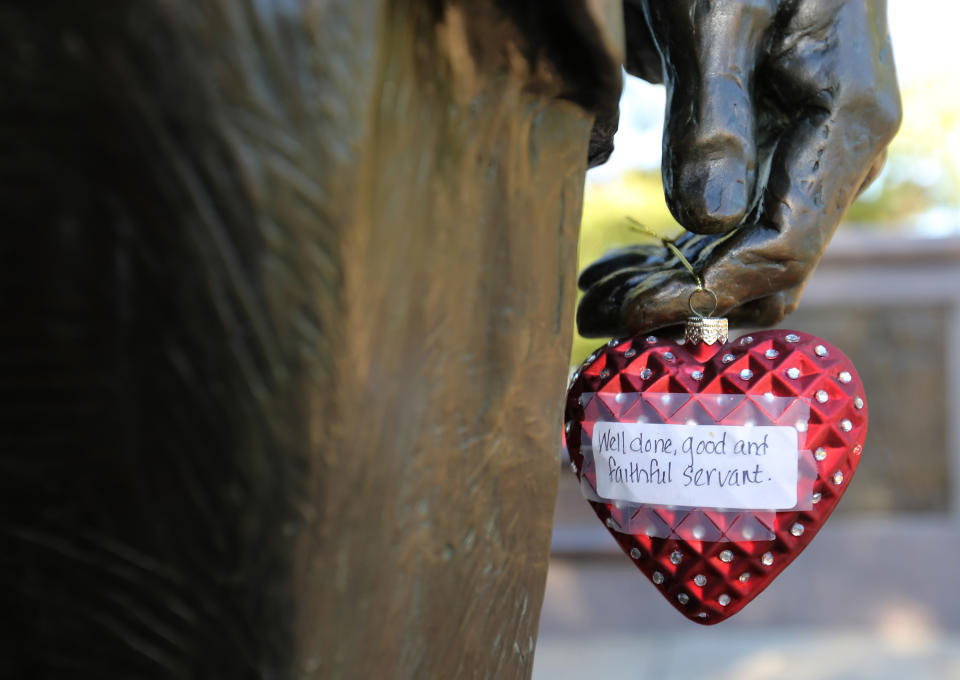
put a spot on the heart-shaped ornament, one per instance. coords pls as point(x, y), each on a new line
point(714, 465)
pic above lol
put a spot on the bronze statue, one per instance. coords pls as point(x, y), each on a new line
point(287, 298)
point(778, 116)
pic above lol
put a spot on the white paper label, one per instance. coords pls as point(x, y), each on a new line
point(707, 466)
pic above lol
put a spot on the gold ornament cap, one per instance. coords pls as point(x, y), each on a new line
point(706, 330)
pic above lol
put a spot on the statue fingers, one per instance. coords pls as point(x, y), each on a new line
point(833, 69)
point(632, 301)
point(710, 51)
point(636, 257)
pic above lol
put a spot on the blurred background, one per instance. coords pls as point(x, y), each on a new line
point(877, 594)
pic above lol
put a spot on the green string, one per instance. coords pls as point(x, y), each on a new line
point(638, 226)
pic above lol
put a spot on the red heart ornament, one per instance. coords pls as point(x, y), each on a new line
point(726, 458)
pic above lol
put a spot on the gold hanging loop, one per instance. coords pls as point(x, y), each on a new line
point(699, 327)
point(704, 291)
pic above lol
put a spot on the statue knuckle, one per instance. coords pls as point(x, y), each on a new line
point(763, 9)
point(777, 315)
point(789, 306)
point(793, 273)
point(887, 115)
point(880, 109)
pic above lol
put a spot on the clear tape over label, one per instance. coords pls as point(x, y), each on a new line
point(662, 458)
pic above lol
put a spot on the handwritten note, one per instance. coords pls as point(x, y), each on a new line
point(709, 466)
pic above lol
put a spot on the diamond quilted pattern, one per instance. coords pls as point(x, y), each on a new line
point(710, 562)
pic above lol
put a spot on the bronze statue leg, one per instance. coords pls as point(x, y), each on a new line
point(286, 307)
